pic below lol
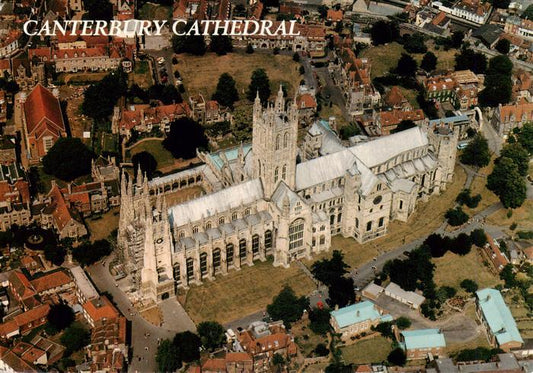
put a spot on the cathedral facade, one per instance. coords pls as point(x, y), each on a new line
point(274, 199)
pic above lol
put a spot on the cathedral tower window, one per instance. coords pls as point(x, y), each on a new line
point(284, 172)
point(296, 234)
point(208, 225)
point(190, 269)
point(278, 141)
point(276, 174)
point(221, 220)
point(285, 140)
point(176, 272)
point(322, 240)
point(268, 239)
point(234, 216)
point(381, 220)
point(242, 248)
point(216, 259)
point(181, 234)
point(369, 226)
point(203, 264)
point(246, 212)
point(195, 229)
point(255, 244)
point(401, 204)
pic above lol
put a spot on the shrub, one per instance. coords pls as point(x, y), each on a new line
point(469, 285)
point(456, 216)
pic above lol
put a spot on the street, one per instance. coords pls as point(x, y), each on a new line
point(144, 336)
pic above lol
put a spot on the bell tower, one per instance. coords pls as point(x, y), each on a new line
point(274, 144)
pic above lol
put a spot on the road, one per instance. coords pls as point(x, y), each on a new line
point(142, 358)
point(167, 54)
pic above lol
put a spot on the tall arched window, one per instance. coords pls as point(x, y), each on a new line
point(216, 259)
point(229, 254)
point(268, 239)
point(285, 140)
point(284, 172)
point(276, 174)
point(278, 140)
point(296, 234)
point(242, 248)
point(190, 269)
point(203, 264)
point(259, 167)
point(255, 244)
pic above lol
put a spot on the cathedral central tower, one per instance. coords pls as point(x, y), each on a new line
point(274, 144)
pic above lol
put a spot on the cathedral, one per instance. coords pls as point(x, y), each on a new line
point(272, 198)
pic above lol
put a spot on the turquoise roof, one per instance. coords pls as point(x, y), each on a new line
point(456, 118)
point(357, 313)
point(231, 154)
point(423, 338)
point(325, 123)
point(498, 316)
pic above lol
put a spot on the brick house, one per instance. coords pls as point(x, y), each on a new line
point(419, 344)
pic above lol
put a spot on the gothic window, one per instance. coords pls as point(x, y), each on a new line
point(246, 212)
point(216, 259)
point(229, 253)
point(268, 239)
point(284, 172)
point(339, 217)
point(221, 220)
point(278, 140)
point(259, 167)
point(242, 248)
point(356, 223)
point(176, 272)
point(323, 227)
point(255, 244)
point(401, 204)
point(377, 200)
point(208, 225)
point(332, 220)
point(195, 229)
point(276, 174)
point(234, 216)
point(296, 234)
point(322, 240)
point(369, 226)
point(203, 263)
point(181, 234)
point(285, 140)
point(190, 269)
point(381, 220)
point(379, 187)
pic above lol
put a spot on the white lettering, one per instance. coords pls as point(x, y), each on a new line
point(26, 27)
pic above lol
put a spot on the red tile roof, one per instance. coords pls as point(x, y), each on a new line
point(395, 97)
point(101, 308)
point(61, 213)
point(32, 315)
point(334, 15)
point(41, 107)
point(50, 281)
point(214, 365)
point(305, 101)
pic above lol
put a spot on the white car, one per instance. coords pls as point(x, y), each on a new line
point(160, 60)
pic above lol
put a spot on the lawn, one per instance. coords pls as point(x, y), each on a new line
point(480, 341)
point(372, 350)
point(333, 111)
point(305, 338)
point(200, 73)
point(426, 218)
point(101, 228)
point(155, 147)
point(153, 11)
point(479, 186)
point(383, 58)
point(81, 78)
point(243, 292)
point(520, 313)
point(141, 74)
point(451, 269)
point(522, 216)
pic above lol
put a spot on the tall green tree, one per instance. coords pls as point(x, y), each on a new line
point(167, 357)
point(221, 44)
point(383, 32)
point(259, 83)
point(184, 137)
point(429, 62)
point(525, 137)
point(498, 83)
point(467, 59)
point(477, 152)
point(68, 159)
point(98, 10)
point(226, 92)
point(456, 40)
point(507, 183)
point(327, 270)
point(518, 155)
point(100, 98)
point(397, 357)
point(75, 338)
point(503, 46)
point(287, 306)
point(406, 66)
point(212, 334)
point(60, 316)
point(188, 343)
point(528, 13)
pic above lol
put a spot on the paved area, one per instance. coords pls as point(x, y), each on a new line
point(144, 336)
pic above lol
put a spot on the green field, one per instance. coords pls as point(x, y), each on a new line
point(372, 350)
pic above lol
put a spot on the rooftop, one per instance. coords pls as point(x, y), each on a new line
point(423, 338)
point(357, 313)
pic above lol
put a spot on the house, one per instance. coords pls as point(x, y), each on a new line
point(386, 122)
point(492, 252)
point(488, 35)
point(334, 15)
point(25, 322)
point(42, 121)
point(519, 26)
point(497, 319)
point(208, 112)
point(503, 363)
point(11, 363)
point(395, 99)
point(233, 362)
point(85, 290)
point(108, 351)
point(372, 291)
point(306, 103)
point(472, 10)
point(3, 106)
point(30, 354)
point(52, 283)
point(507, 117)
point(54, 351)
point(410, 298)
point(419, 344)
point(8, 153)
point(98, 309)
point(357, 318)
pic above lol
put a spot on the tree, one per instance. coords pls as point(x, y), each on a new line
point(349, 131)
point(525, 137)
point(498, 83)
point(189, 345)
point(321, 350)
point(167, 357)
point(319, 320)
point(89, 253)
point(478, 353)
point(415, 43)
point(75, 338)
point(429, 62)
point(501, 4)
point(226, 92)
point(456, 40)
point(467, 59)
point(528, 13)
point(212, 334)
point(406, 65)
point(100, 106)
point(68, 159)
point(193, 44)
point(507, 183)
point(404, 125)
point(385, 329)
point(55, 253)
point(184, 137)
point(60, 316)
point(341, 292)
point(167, 94)
point(146, 162)
point(296, 57)
point(518, 155)
point(397, 357)
point(98, 9)
point(278, 361)
point(286, 306)
point(328, 271)
point(464, 198)
point(456, 216)
point(383, 32)
point(259, 83)
point(403, 322)
point(221, 44)
point(503, 46)
point(469, 285)
point(477, 152)
point(478, 237)
point(437, 245)
point(323, 11)
point(461, 244)
point(249, 49)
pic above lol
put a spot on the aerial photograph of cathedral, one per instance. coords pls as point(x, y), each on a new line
point(351, 193)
